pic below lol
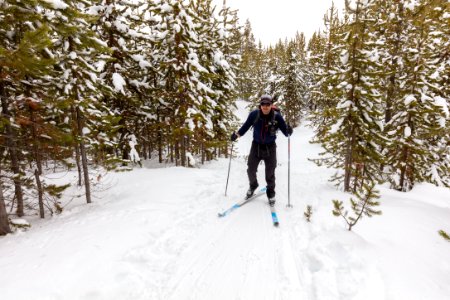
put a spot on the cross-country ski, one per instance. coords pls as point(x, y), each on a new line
point(245, 201)
point(273, 214)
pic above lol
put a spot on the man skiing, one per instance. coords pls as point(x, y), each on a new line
point(265, 121)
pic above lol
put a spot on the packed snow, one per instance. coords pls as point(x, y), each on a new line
point(153, 233)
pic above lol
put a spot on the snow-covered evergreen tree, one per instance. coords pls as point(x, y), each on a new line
point(293, 88)
point(392, 67)
point(213, 122)
point(326, 68)
point(225, 83)
point(187, 55)
point(275, 57)
point(245, 75)
point(306, 71)
point(79, 55)
point(418, 130)
point(351, 143)
point(261, 74)
point(24, 60)
point(120, 26)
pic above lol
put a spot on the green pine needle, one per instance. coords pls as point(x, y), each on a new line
point(445, 235)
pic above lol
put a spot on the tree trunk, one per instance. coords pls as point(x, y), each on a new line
point(177, 153)
point(404, 165)
point(203, 153)
point(149, 143)
point(77, 148)
point(38, 160)
point(84, 162)
point(4, 222)
point(37, 155)
point(145, 143)
point(77, 160)
point(160, 148)
point(183, 151)
point(40, 194)
point(349, 161)
point(150, 146)
point(11, 145)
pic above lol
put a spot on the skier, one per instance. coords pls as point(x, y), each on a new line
point(265, 121)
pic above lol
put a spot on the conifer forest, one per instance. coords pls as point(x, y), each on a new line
point(83, 84)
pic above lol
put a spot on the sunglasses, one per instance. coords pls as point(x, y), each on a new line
point(266, 104)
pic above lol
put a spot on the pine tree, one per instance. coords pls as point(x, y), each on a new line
point(245, 79)
point(38, 134)
point(306, 72)
point(157, 130)
point(214, 79)
point(120, 25)
point(277, 64)
point(25, 37)
point(391, 29)
point(261, 73)
point(437, 76)
point(293, 87)
point(226, 67)
point(417, 130)
point(326, 64)
point(141, 77)
point(352, 142)
point(186, 80)
point(78, 89)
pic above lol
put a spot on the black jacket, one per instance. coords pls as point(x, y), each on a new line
point(264, 131)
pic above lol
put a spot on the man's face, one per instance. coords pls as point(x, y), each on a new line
point(266, 107)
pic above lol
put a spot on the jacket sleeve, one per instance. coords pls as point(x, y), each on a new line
point(282, 124)
point(250, 120)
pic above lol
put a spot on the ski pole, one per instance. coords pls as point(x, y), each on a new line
point(289, 171)
point(229, 166)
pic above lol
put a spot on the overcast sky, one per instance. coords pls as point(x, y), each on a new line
point(275, 19)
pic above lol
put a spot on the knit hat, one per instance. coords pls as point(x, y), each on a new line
point(265, 99)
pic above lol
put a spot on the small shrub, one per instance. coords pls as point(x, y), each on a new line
point(308, 213)
point(364, 205)
point(444, 235)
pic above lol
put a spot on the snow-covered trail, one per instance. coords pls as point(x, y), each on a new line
point(155, 234)
point(242, 256)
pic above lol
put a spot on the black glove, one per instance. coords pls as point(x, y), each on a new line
point(233, 137)
point(289, 130)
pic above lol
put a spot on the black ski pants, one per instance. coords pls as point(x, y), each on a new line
point(268, 153)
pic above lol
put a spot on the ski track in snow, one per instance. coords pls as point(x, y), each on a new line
point(242, 260)
point(173, 246)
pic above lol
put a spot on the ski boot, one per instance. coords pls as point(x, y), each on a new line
point(250, 192)
point(272, 201)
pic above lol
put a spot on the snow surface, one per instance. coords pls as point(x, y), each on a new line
point(22, 222)
point(154, 234)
